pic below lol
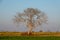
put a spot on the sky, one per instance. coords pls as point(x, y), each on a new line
point(9, 8)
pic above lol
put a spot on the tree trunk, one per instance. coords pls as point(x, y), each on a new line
point(30, 30)
point(30, 26)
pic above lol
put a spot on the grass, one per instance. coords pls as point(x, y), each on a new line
point(29, 38)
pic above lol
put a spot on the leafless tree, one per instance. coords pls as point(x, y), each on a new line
point(31, 17)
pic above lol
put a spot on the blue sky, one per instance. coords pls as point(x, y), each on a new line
point(8, 9)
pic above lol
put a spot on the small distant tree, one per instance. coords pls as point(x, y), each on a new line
point(31, 17)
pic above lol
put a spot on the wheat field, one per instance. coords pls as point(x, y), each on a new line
point(33, 33)
point(33, 36)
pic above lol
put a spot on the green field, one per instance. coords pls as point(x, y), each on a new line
point(29, 38)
